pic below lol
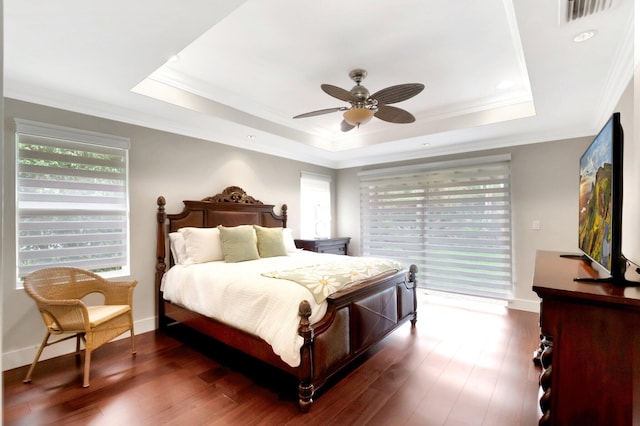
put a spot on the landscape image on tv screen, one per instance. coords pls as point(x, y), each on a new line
point(596, 198)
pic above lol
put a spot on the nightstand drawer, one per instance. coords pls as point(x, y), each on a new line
point(327, 245)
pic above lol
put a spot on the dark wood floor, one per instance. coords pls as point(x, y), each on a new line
point(462, 365)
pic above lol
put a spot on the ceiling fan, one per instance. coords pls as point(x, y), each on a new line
point(364, 106)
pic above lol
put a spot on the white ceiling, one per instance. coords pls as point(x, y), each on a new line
point(247, 67)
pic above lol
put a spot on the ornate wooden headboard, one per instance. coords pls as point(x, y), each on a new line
point(231, 207)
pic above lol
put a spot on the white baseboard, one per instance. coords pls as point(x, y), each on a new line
point(24, 356)
point(524, 305)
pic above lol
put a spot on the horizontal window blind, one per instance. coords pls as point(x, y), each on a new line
point(454, 223)
point(72, 202)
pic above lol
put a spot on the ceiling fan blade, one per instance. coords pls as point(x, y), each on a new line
point(398, 93)
point(394, 114)
point(345, 127)
point(320, 112)
point(338, 92)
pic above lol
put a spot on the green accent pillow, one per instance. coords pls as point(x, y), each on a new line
point(238, 243)
point(270, 241)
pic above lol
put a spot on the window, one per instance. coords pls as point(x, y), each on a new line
point(315, 206)
point(453, 220)
point(72, 199)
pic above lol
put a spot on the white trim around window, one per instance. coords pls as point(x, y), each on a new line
point(315, 205)
point(72, 199)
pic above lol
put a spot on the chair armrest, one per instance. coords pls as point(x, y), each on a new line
point(119, 292)
point(65, 315)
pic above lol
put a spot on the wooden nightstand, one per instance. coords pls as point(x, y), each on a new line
point(326, 245)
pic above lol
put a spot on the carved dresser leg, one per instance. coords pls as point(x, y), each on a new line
point(545, 383)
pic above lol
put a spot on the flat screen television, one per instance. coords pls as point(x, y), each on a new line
point(600, 214)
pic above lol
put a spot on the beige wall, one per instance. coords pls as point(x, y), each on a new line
point(161, 163)
point(2, 142)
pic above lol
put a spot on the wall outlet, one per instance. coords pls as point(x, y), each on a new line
point(535, 225)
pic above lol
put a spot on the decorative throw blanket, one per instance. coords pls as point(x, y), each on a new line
point(325, 279)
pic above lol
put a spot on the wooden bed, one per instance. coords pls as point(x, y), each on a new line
point(357, 317)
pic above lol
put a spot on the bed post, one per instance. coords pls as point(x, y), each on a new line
point(283, 214)
point(305, 388)
point(161, 266)
point(413, 270)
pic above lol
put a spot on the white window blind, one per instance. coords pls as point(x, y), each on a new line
point(315, 206)
point(72, 199)
point(452, 221)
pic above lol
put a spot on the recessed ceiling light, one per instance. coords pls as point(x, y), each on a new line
point(251, 137)
point(504, 84)
point(584, 36)
point(174, 58)
point(426, 144)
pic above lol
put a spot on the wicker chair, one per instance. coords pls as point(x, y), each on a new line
point(58, 292)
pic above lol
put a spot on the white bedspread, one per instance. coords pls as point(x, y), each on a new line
point(234, 293)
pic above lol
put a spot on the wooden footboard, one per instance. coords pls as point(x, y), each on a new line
point(357, 317)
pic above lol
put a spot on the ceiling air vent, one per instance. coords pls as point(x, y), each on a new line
point(571, 10)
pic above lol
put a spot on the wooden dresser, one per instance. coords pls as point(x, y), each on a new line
point(591, 356)
point(326, 245)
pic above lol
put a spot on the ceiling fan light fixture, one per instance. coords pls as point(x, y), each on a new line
point(357, 116)
point(363, 106)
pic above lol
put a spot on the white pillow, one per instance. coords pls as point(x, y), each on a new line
point(178, 247)
point(289, 244)
point(202, 245)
